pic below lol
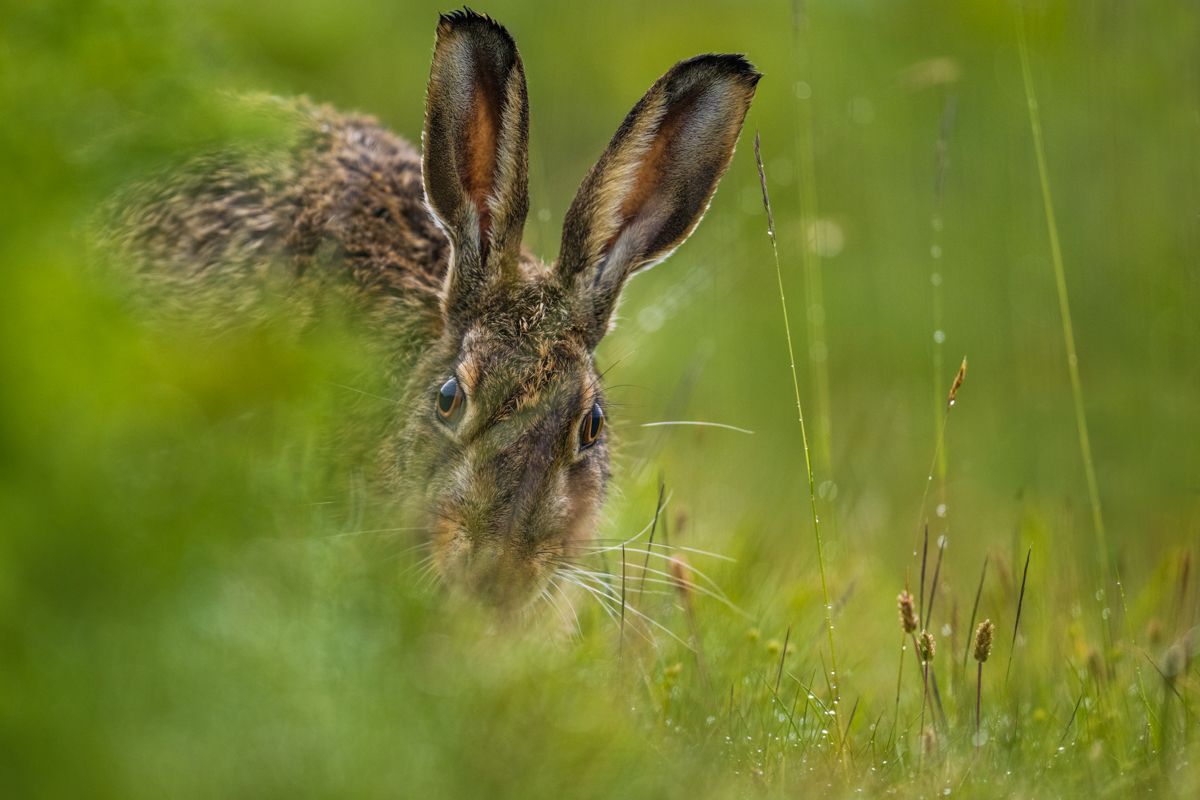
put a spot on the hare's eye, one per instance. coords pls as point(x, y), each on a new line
point(590, 427)
point(450, 400)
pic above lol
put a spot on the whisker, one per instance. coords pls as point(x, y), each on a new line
point(606, 579)
point(364, 394)
point(570, 606)
point(713, 584)
point(601, 597)
point(696, 423)
point(343, 534)
point(662, 507)
point(607, 609)
point(713, 589)
point(672, 548)
point(547, 596)
point(668, 579)
point(640, 614)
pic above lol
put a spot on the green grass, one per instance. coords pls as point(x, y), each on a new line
point(194, 601)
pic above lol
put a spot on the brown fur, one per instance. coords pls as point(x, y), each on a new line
point(428, 251)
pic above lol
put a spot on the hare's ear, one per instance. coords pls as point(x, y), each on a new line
point(648, 191)
point(475, 148)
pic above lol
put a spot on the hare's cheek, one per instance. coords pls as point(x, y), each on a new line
point(585, 494)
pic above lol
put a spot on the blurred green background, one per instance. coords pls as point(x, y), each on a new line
point(179, 612)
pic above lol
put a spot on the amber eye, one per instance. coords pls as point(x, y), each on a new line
point(450, 400)
point(590, 427)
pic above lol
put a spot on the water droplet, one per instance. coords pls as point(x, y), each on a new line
point(939, 336)
point(825, 237)
point(651, 318)
point(862, 110)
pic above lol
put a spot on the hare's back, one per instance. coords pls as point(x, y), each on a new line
point(361, 194)
point(342, 199)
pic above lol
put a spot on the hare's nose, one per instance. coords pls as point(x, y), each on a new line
point(534, 500)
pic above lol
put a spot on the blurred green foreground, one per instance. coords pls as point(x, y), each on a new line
point(195, 601)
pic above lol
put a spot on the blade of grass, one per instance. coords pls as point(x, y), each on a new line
point(812, 487)
point(941, 164)
point(974, 612)
point(1064, 302)
point(924, 561)
point(658, 506)
point(1068, 330)
point(937, 571)
point(818, 354)
point(1017, 621)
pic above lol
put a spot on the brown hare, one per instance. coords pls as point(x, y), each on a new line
point(498, 446)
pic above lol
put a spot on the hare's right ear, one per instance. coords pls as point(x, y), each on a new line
point(475, 160)
point(648, 191)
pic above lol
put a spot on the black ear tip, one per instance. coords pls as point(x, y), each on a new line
point(725, 66)
point(738, 66)
point(469, 21)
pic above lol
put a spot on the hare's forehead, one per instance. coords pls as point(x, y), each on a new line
point(529, 369)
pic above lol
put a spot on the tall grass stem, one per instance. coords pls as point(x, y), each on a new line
point(812, 486)
point(1064, 303)
point(810, 251)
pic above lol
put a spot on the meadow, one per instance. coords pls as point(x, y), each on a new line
point(195, 600)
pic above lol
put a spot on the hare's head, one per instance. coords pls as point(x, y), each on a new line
point(506, 448)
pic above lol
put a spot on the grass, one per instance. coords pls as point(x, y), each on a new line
point(195, 600)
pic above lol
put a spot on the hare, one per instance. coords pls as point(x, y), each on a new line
point(498, 448)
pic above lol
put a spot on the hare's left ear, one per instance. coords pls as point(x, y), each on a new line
point(475, 148)
point(652, 185)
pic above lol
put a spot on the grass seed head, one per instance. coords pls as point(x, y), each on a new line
point(928, 646)
point(1175, 663)
point(681, 576)
point(1154, 632)
point(952, 397)
point(983, 640)
point(908, 615)
point(928, 740)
